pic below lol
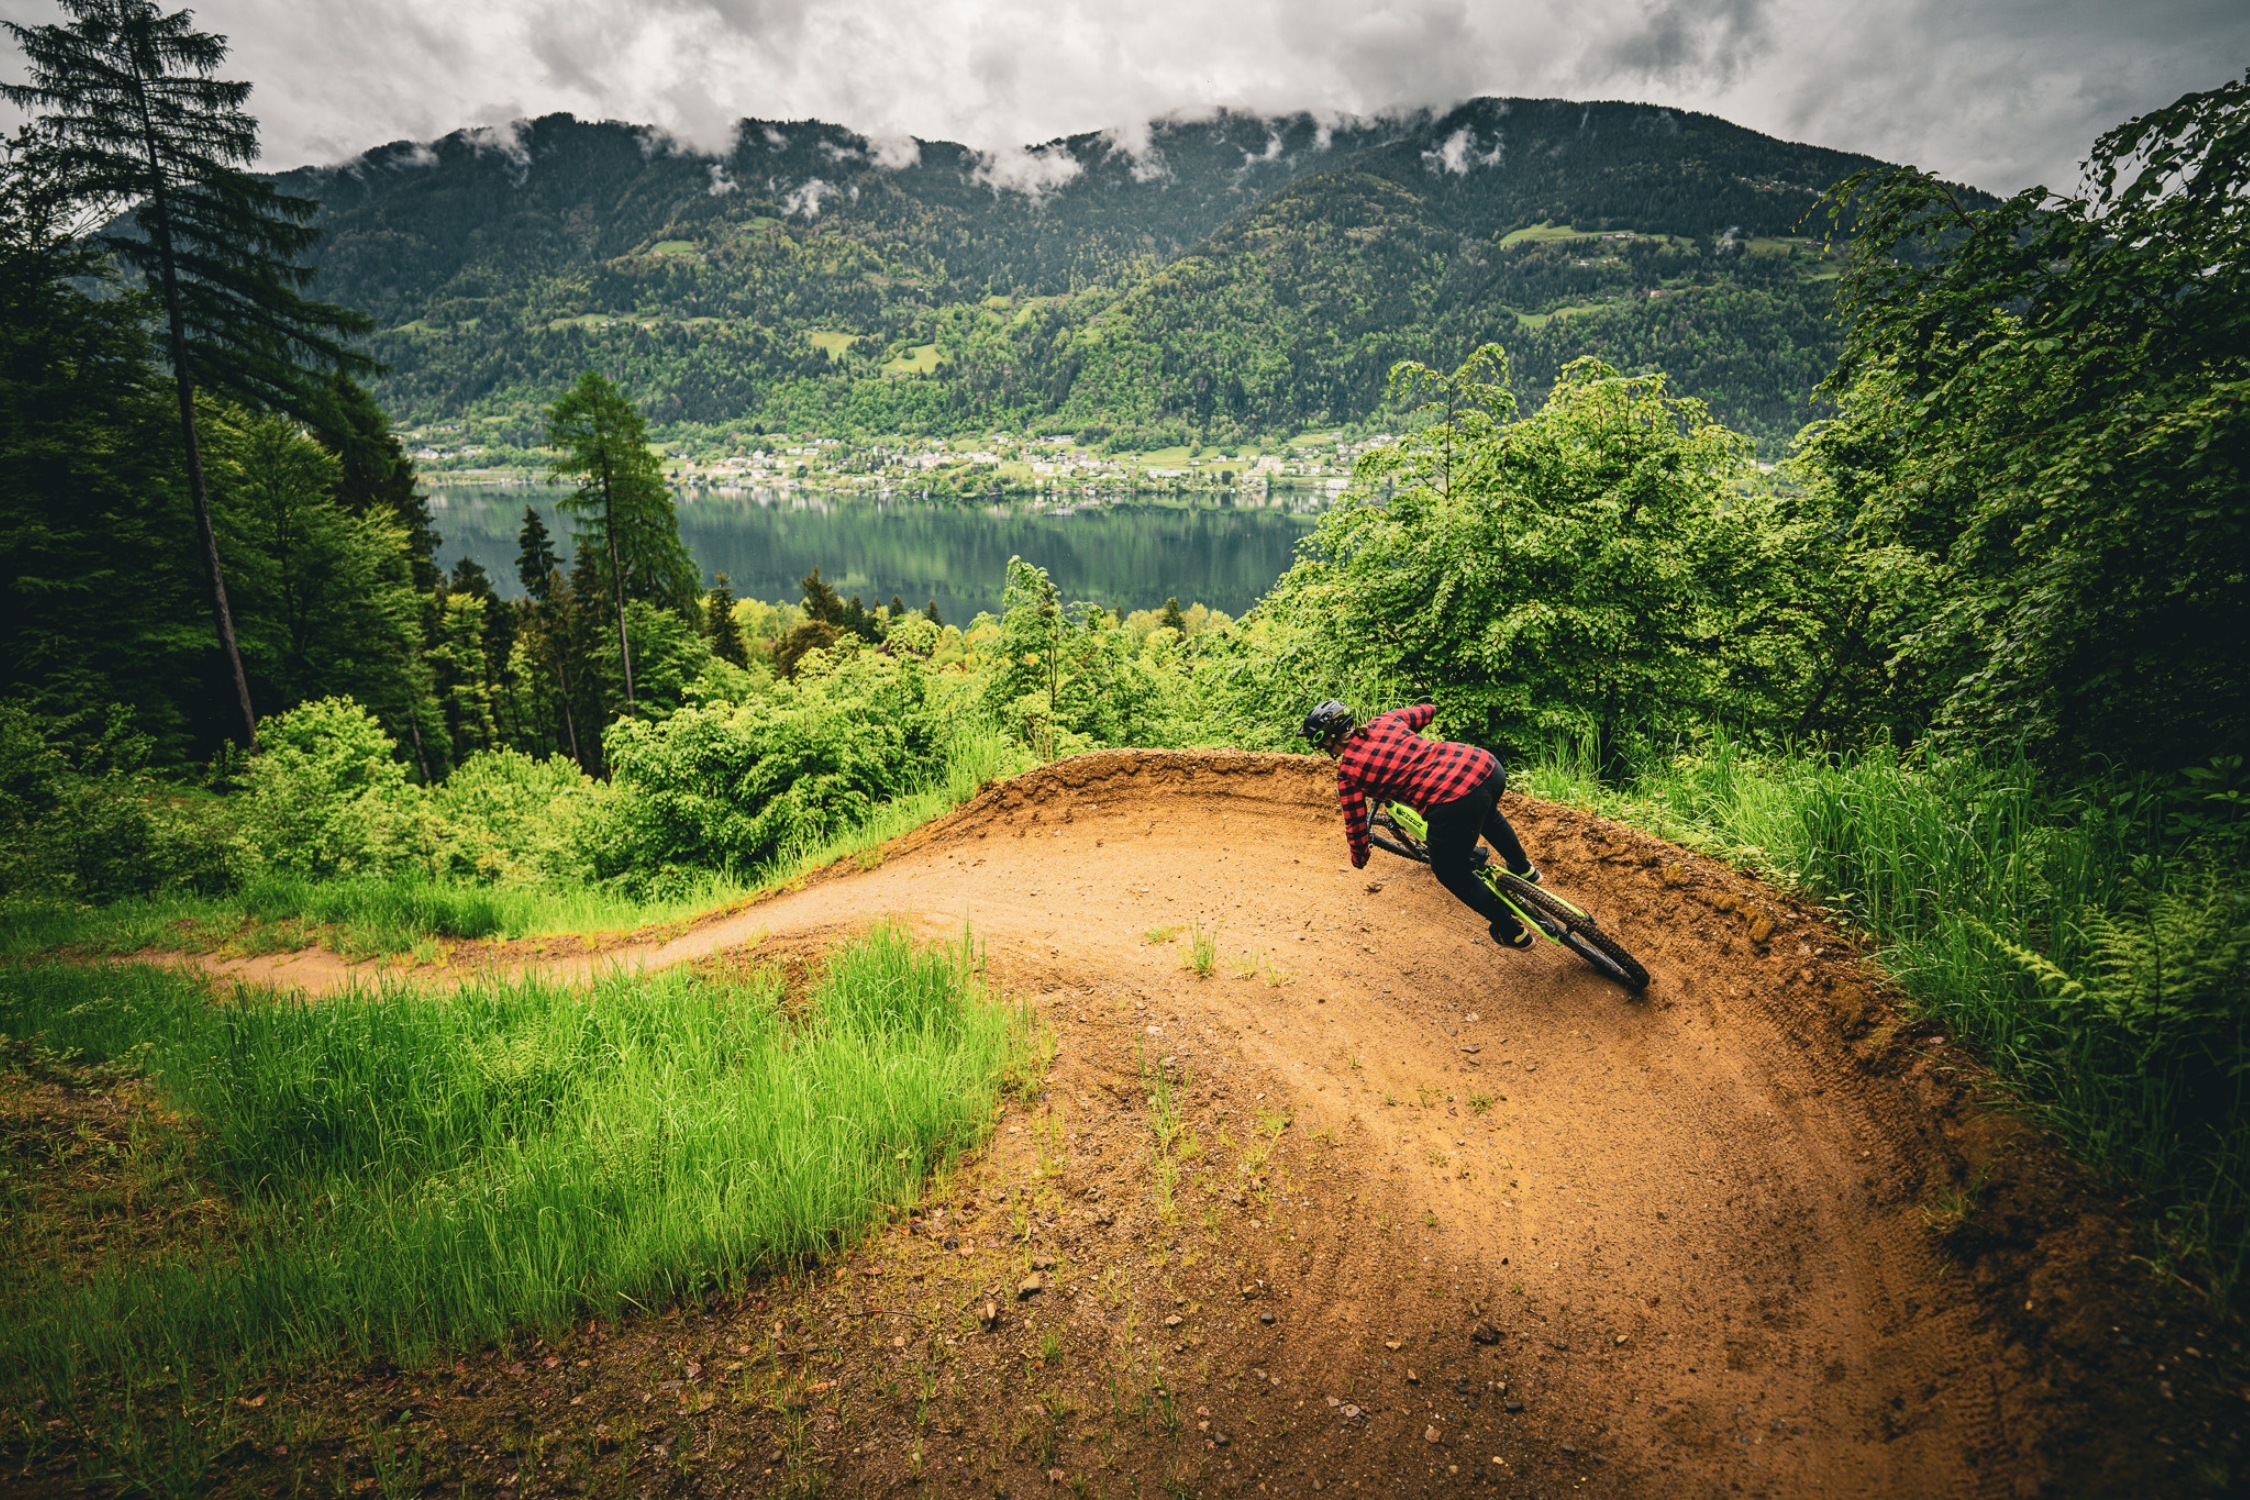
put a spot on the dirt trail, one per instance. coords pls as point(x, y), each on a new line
point(1696, 1221)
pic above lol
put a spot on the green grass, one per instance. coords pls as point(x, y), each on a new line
point(2093, 945)
point(920, 359)
point(1202, 953)
point(1542, 234)
point(1541, 320)
point(360, 918)
point(412, 1171)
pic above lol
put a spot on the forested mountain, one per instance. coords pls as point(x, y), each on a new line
point(1231, 275)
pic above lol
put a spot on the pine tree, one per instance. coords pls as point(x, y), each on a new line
point(135, 121)
point(821, 600)
point(536, 561)
point(622, 498)
point(1173, 619)
point(469, 577)
point(89, 511)
point(540, 571)
point(823, 627)
point(930, 613)
point(377, 474)
point(720, 624)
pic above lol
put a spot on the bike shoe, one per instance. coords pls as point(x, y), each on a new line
point(1519, 936)
point(1529, 874)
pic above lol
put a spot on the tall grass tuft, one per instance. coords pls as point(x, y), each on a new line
point(416, 1170)
point(1202, 955)
point(2093, 944)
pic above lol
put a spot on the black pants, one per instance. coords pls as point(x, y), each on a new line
point(1454, 829)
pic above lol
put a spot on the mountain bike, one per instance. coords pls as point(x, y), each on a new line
point(1535, 906)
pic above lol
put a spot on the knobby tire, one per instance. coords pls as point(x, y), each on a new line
point(1581, 934)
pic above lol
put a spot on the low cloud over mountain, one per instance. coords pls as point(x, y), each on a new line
point(1998, 92)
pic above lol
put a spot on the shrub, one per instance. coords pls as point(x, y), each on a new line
point(329, 797)
point(733, 787)
point(80, 819)
point(512, 819)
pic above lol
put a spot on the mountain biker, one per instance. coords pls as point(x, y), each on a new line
point(1456, 787)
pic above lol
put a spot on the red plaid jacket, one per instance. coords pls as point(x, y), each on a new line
point(1387, 760)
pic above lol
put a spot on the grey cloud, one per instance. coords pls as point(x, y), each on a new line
point(1693, 40)
point(1999, 92)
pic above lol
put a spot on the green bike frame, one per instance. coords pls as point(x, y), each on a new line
point(1494, 875)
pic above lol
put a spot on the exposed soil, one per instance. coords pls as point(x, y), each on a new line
point(1751, 1234)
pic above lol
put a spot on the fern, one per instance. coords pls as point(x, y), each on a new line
point(2170, 969)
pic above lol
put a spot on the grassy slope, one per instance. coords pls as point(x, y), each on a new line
point(408, 914)
point(407, 1170)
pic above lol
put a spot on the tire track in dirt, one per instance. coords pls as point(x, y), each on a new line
point(1695, 1221)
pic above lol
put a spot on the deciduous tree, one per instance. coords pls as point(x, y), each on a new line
point(2047, 410)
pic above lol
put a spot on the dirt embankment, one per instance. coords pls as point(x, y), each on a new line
point(1751, 1234)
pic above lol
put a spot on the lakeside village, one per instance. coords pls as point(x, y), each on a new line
point(1301, 473)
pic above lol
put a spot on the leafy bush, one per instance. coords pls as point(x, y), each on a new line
point(514, 819)
point(1062, 680)
point(329, 800)
point(1607, 567)
point(732, 787)
point(329, 797)
point(2046, 410)
point(79, 818)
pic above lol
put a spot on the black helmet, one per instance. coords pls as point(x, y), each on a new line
point(1328, 721)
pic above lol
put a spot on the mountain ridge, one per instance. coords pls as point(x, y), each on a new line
point(1201, 279)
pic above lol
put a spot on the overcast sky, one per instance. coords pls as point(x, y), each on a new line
point(2000, 93)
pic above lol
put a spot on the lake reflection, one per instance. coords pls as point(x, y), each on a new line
point(1123, 556)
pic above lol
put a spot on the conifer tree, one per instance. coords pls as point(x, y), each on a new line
point(126, 100)
point(622, 499)
point(377, 474)
point(541, 573)
point(821, 600)
point(536, 561)
point(720, 624)
point(1173, 619)
point(822, 627)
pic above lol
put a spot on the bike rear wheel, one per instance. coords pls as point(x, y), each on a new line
point(1578, 932)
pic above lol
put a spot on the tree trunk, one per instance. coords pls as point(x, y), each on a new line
point(421, 756)
point(220, 610)
point(183, 380)
point(616, 578)
point(570, 721)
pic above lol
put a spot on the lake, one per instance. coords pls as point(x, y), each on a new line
point(1124, 556)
